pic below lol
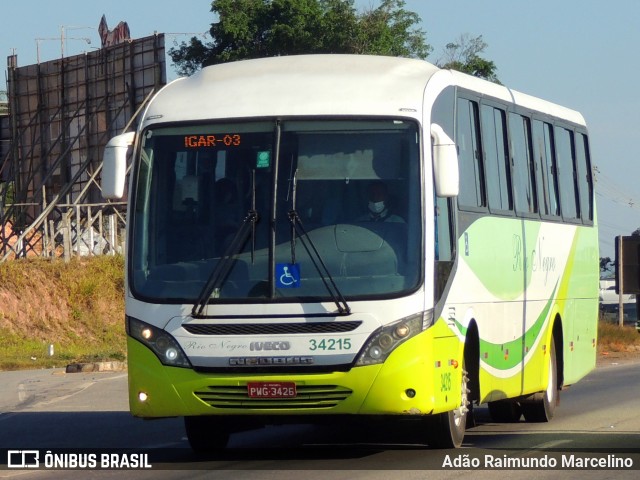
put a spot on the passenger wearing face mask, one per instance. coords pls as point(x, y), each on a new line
point(378, 208)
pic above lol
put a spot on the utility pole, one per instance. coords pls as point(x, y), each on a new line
point(620, 282)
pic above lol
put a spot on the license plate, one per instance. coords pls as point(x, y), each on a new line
point(271, 389)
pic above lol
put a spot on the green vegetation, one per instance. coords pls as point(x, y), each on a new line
point(614, 338)
point(267, 28)
point(78, 307)
point(245, 29)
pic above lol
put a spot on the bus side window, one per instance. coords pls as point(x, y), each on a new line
point(546, 171)
point(567, 174)
point(443, 244)
point(498, 173)
point(444, 250)
point(585, 181)
point(523, 167)
point(472, 184)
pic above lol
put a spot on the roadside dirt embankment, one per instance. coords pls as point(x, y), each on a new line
point(76, 307)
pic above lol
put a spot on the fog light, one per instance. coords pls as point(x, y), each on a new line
point(142, 396)
point(171, 354)
point(410, 392)
point(375, 352)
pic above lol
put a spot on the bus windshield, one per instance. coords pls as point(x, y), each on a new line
point(255, 200)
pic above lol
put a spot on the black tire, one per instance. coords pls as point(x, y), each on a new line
point(447, 429)
point(505, 411)
point(543, 406)
point(206, 434)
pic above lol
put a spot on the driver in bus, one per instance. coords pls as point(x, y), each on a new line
point(378, 205)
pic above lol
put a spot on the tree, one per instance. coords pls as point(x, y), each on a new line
point(464, 55)
point(264, 28)
point(391, 30)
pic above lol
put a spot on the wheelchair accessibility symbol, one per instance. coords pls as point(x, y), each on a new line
point(287, 275)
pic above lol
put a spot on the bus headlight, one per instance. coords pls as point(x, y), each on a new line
point(159, 342)
point(387, 339)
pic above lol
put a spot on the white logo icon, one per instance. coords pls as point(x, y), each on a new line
point(23, 459)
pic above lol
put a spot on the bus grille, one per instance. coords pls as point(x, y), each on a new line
point(270, 329)
point(307, 396)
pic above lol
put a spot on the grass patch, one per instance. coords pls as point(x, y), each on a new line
point(615, 338)
point(78, 307)
point(20, 352)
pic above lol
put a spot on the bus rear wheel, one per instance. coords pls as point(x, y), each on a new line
point(542, 407)
point(447, 429)
point(206, 434)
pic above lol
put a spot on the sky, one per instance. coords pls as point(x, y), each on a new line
point(581, 54)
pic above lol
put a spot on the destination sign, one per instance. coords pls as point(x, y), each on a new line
point(204, 141)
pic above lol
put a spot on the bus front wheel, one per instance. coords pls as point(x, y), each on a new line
point(447, 429)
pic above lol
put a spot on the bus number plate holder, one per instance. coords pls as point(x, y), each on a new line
point(271, 389)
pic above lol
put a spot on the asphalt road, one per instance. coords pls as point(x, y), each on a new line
point(48, 410)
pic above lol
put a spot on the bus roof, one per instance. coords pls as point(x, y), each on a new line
point(302, 85)
point(297, 85)
point(507, 95)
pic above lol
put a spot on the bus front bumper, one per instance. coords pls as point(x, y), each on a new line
point(414, 380)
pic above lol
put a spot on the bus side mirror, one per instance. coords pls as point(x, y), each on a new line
point(114, 165)
point(445, 163)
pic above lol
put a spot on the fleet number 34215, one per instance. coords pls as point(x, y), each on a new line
point(330, 344)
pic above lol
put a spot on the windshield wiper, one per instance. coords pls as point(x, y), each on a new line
point(316, 258)
point(224, 265)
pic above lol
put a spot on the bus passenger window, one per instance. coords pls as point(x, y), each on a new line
point(567, 174)
point(585, 181)
point(523, 166)
point(546, 171)
point(496, 158)
point(472, 192)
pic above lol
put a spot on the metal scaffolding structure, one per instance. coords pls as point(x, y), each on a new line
point(61, 115)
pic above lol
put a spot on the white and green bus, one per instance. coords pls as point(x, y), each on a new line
point(331, 237)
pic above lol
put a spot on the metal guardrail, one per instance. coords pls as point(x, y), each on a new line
point(69, 230)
